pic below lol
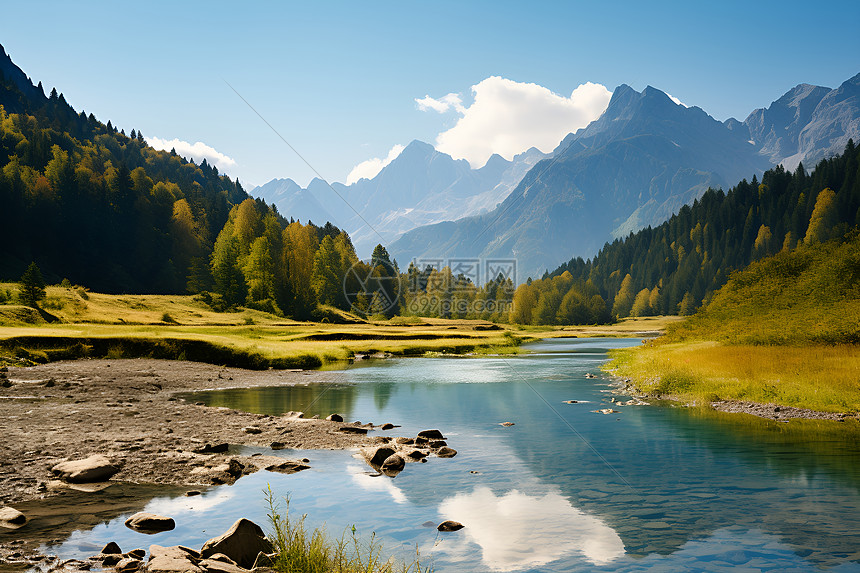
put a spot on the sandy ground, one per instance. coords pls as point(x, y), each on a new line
point(126, 410)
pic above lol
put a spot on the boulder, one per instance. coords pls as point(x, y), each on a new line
point(128, 564)
point(277, 445)
point(334, 418)
point(111, 548)
point(171, 560)
point(252, 430)
point(287, 467)
point(393, 465)
point(150, 523)
point(405, 441)
point(446, 452)
point(379, 455)
point(111, 559)
point(438, 444)
point(241, 543)
point(387, 426)
point(92, 469)
point(136, 554)
point(11, 518)
point(450, 526)
point(431, 435)
point(417, 454)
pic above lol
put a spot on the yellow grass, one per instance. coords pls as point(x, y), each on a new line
point(86, 317)
point(819, 377)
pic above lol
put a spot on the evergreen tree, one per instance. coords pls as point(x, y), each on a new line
point(31, 286)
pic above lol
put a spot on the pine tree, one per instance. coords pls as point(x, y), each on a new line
point(32, 286)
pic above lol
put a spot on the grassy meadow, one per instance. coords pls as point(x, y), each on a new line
point(785, 330)
point(76, 323)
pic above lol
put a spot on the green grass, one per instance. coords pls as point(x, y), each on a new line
point(301, 551)
point(820, 377)
point(785, 330)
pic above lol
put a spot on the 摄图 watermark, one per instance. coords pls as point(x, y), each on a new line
point(444, 287)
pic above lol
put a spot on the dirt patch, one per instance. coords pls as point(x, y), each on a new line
point(126, 410)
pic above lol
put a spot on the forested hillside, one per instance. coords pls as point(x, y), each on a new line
point(89, 203)
point(808, 295)
point(676, 266)
point(100, 208)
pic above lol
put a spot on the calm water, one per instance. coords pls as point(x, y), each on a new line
point(654, 488)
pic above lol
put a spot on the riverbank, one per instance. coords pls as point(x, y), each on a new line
point(126, 410)
point(775, 382)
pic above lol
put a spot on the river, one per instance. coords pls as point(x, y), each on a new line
point(660, 487)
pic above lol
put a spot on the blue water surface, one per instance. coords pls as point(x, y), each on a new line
point(649, 488)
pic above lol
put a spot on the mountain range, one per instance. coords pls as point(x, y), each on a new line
point(636, 165)
point(419, 187)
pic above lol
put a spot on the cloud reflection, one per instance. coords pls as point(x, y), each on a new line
point(368, 482)
point(517, 531)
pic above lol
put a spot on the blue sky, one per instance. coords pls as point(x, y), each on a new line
point(339, 80)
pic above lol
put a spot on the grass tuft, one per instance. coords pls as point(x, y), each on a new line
point(301, 551)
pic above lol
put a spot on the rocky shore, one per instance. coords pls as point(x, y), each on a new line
point(121, 420)
point(768, 411)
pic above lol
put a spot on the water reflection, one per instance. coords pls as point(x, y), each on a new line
point(517, 531)
point(653, 488)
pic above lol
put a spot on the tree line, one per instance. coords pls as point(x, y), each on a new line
point(677, 266)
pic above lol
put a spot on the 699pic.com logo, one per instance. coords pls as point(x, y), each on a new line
point(372, 287)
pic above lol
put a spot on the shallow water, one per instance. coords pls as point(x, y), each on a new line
point(651, 488)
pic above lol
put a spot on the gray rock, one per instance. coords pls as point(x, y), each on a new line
point(150, 523)
point(128, 564)
point(92, 469)
point(393, 464)
point(450, 526)
point(241, 543)
point(111, 548)
point(378, 456)
point(287, 467)
point(431, 435)
point(136, 554)
point(11, 518)
point(446, 452)
point(218, 566)
point(221, 557)
point(174, 559)
point(353, 430)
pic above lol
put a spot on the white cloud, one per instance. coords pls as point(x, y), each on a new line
point(508, 117)
point(197, 151)
point(370, 168)
point(441, 105)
